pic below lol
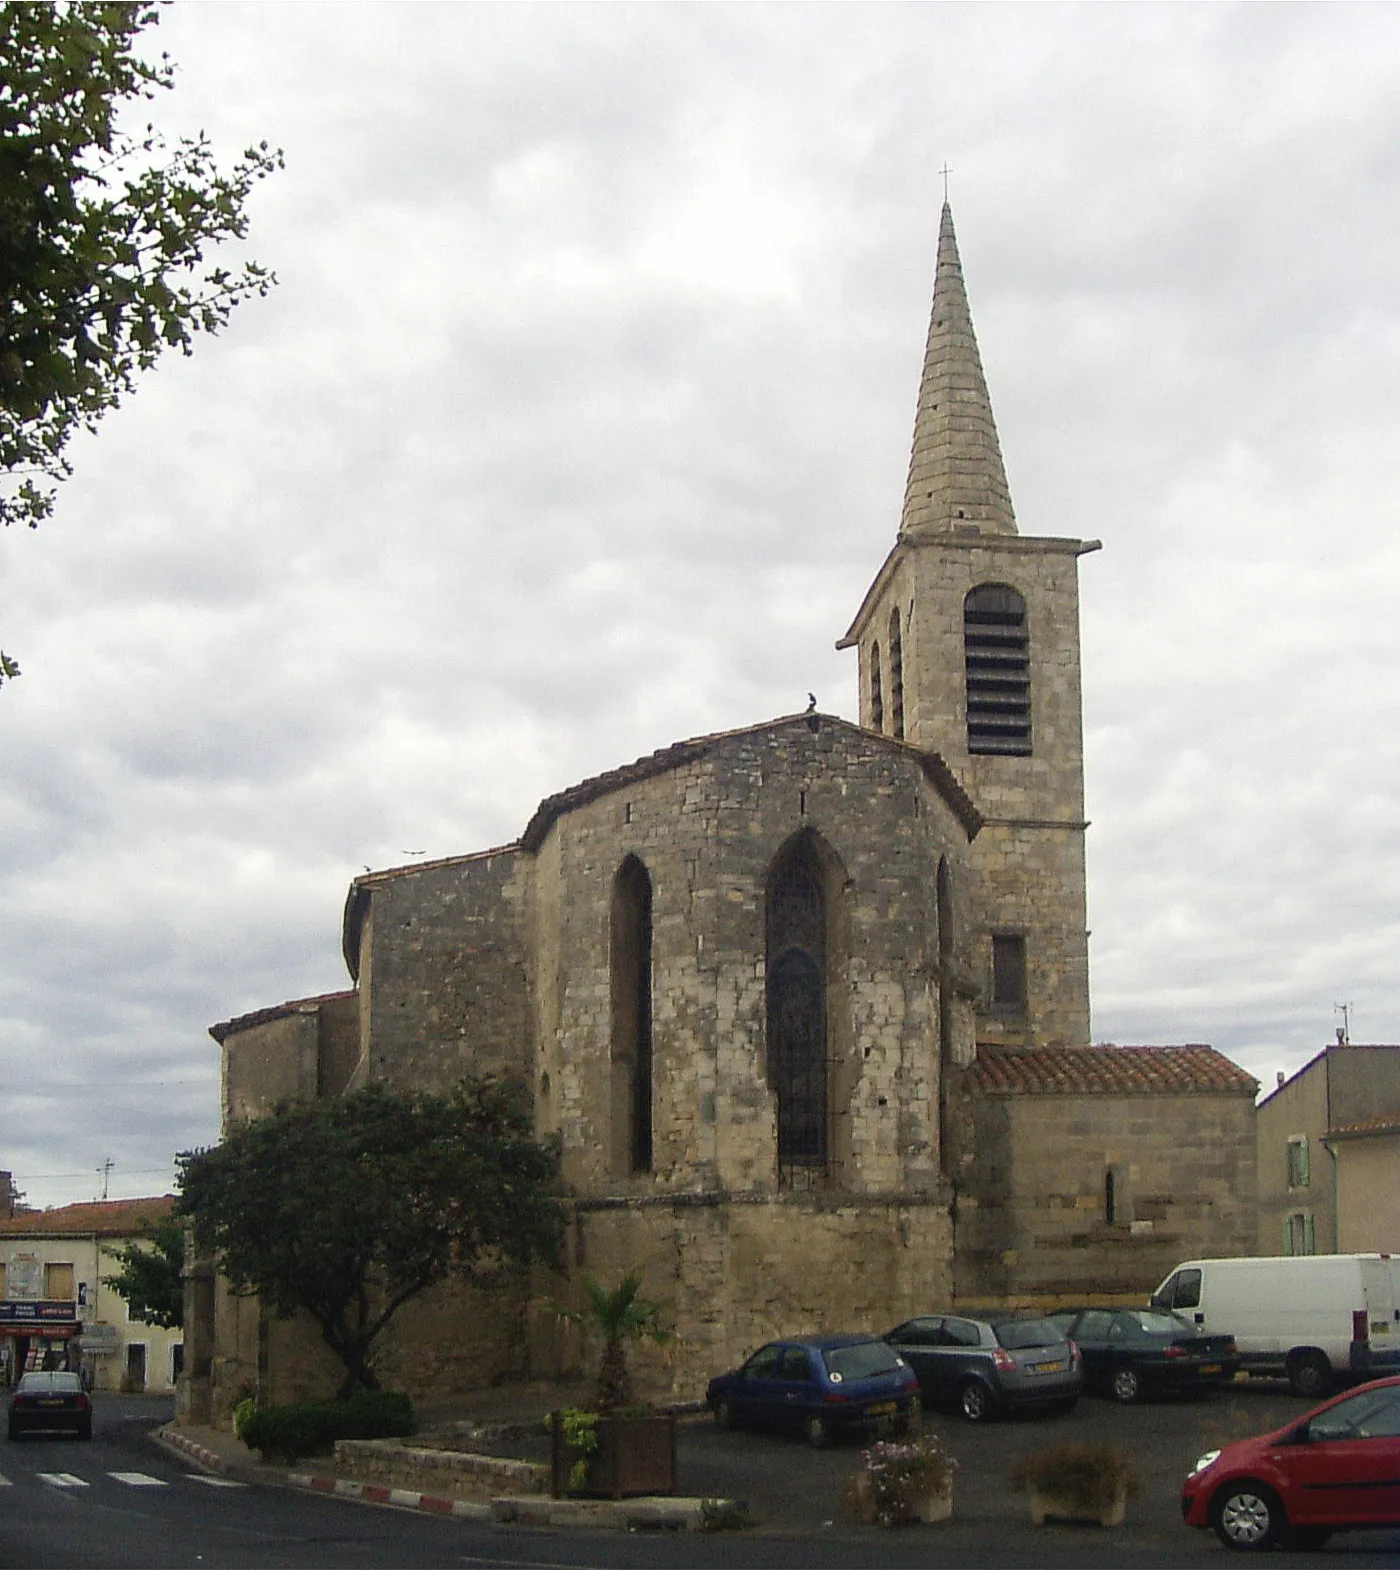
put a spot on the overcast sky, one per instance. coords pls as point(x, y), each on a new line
point(579, 424)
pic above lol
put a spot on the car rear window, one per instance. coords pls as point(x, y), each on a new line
point(1015, 1334)
point(862, 1360)
point(50, 1380)
point(1157, 1324)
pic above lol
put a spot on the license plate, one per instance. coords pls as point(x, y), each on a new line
point(1210, 1368)
point(50, 1400)
point(881, 1409)
point(1057, 1367)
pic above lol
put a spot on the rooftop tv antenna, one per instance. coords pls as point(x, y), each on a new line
point(105, 1171)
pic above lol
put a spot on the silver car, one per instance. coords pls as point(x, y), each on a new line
point(984, 1366)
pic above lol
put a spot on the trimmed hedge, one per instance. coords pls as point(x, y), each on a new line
point(287, 1433)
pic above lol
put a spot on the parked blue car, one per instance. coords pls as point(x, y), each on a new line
point(819, 1386)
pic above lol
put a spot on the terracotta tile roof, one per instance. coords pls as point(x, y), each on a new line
point(104, 1217)
point(1109, 1070)
point(1382, 1123)
point(230, 1027)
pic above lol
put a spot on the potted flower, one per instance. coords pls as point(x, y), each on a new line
point(900, 1481)
point(616, 1448)
point(1077, 1482)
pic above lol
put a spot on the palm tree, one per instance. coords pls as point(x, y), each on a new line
point(618, 1316)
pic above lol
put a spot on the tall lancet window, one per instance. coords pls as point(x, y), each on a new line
point(896, 677)
point(997, 650)
point(631, 1019)
point(877, 694)
point(797, 1011)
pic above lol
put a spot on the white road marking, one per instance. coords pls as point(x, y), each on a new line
point(139, 1479)
point(5, 1482)
point(62, 1480)
point(215, 1482)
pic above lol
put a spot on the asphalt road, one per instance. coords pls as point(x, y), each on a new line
point(122, 1501)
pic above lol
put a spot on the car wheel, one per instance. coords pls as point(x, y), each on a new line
point(724, 1413)
point(1310, 1375)
point(1246, 1515)
point(974, 1401)
point(818, 1431)
point(1126, 1386)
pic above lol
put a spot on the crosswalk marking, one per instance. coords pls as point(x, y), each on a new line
point(215, 1482)
point(5, 1482)
point(139, 1479)
point(61, 1480)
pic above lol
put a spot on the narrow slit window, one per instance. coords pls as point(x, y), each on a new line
point(877, 696)
point(1009, 972)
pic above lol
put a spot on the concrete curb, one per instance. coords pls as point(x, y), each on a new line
point(650, 1514)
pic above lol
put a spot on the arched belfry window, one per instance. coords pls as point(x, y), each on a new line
point(996, 647)
point(630, 959)
point(797, 1011)
point(877, 695)
point(896, 677)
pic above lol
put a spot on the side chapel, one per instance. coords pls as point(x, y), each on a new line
point(805, 1003)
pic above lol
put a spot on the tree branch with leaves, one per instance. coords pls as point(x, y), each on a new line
point(350, 1207)
point(103, 235)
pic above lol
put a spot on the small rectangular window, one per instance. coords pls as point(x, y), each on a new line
point(1298, 1161)
point(1009, 971)
point(1298, 1234)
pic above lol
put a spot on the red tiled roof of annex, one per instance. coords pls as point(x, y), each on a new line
point(1109, 1070)
point(1382, 1123)
point(101, 1218)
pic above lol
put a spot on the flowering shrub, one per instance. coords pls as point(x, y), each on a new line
point(1089, 1477)
point(896, 1478)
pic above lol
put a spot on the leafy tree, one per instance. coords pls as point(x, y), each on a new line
point(349, 1207)
point(152, 1277)
point(617, 1316)
point(103, 235)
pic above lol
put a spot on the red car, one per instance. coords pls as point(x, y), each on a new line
point(1335, 1468)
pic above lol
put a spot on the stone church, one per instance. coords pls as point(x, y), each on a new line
point(805, 1003)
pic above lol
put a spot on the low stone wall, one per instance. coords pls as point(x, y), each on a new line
point(452, 1474)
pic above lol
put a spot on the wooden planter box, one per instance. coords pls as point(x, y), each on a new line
point(635, 1455)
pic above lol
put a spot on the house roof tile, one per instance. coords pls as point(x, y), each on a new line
point(103, 1218)
point(1109, 1070)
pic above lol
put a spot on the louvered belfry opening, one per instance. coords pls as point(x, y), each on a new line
point(797, 1023)
point(997, 649)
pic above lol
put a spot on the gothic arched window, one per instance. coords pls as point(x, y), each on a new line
point(997, 651)
point(797, 1012)
point(631, 1019)
point(896, 677)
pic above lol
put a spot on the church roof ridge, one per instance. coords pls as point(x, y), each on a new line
point(1108, 1070)
point(681, 752)
point(957, 480)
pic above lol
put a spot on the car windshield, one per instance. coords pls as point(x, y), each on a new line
point(862, 1360)
point(1016, 1334)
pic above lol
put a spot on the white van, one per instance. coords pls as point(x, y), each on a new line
point(1314, 1317)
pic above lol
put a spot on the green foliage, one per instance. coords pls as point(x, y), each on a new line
point(243, 1415)
point(580, 1431)
point(152, 1275)
point(103, 235)
point(617, 1316)
point(287, 1433)
point(347, 1208)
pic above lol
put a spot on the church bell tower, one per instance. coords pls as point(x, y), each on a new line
point(969, 647)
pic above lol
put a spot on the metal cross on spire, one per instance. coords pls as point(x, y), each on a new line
point(945, 171)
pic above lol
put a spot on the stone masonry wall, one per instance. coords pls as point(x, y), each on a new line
point(1031, 1223)
point(708, 833)
point(1028, 863)
point(448, 977)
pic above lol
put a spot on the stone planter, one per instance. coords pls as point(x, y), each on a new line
point(635, 1455)
point(1046, 1505)
point(936, 1505)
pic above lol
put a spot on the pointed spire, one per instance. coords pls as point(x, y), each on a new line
point(956, 476)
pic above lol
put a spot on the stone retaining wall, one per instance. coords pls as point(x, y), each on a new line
point(450, 1473)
